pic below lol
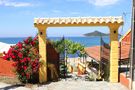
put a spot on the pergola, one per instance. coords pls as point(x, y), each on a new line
point(113, 23)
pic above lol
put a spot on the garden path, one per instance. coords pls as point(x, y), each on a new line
point(75, 83)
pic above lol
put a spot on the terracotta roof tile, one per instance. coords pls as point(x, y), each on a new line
point(94, 52)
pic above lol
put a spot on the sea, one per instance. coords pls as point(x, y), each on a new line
point(86, 41)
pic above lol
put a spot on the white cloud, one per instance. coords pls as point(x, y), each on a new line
point(76, 0)
point(14, 3)
point(97, 2)
point(103, 2)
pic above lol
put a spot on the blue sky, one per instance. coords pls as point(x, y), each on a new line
point(17, 16)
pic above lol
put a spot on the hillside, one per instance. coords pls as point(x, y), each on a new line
point(97, 33)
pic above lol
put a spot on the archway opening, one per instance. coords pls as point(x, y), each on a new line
point(90, 38)
point(112, 22)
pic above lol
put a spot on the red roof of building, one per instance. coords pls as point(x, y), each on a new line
point(94, 51)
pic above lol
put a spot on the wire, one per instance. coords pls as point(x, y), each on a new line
point(124, 16)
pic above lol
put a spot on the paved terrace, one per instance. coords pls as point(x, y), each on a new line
point(69, 85)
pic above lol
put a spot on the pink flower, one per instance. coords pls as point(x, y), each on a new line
point(35, 38)
point(10, 50)
point(28, 59)
point(15, 51)
point(19, 44)
point(24, 67)
point(22, 60)
point(13, 57)
point(20, 55)
point(25, 59)
point(26, 41)
point(32, 43)
point(5, 57)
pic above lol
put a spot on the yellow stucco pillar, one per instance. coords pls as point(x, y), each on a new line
point(114, 53)
point(42, 53)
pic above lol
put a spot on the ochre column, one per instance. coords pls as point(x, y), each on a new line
point(114, 54)
point(42, 53)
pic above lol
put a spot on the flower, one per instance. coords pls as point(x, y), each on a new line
point(24, 67)
point(5, 57)
point(35, 38)
point(20, 55)
point(13, 57)
point(28, 59)
point(19, 44)
point(26, 41)
point(22, 61)
point(33, 43)
point(14, 64)
point(25, 55)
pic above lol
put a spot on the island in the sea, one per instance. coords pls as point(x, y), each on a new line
point(97, 33)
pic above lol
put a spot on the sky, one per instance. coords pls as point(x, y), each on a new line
point(17, 16)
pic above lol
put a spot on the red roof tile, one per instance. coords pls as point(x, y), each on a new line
point(94, 52)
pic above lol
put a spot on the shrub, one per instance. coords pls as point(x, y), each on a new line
point(26, 59)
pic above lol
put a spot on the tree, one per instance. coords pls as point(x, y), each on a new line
point(70, 47)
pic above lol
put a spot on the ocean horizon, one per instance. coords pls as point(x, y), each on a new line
point(86, 41)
